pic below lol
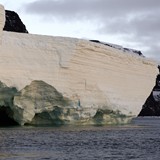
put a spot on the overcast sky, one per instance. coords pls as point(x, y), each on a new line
point(131, 23)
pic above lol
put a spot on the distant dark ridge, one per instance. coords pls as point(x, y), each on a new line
point(151, 106)
point(13, 23)
point(119, 47)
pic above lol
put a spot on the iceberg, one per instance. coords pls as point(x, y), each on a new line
point(95, 83)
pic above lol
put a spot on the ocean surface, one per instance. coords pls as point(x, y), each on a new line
point(139, 140)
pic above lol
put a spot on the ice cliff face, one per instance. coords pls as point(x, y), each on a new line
point(97, 83)
point(2, 19)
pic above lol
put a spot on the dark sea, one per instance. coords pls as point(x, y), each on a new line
point(139, 140)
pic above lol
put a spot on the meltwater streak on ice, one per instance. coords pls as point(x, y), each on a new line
point(138, 142)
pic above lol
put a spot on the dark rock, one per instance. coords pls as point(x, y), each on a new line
point(119, 47)
point(96, 41)
point(152, 105)
point(159, 68)
point(134, 51)
point(13, 23)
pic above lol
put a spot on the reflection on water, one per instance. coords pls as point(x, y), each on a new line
point(139, 140)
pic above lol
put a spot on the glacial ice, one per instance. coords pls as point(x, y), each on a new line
point(109, 85)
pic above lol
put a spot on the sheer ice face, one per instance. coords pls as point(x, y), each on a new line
point(98, 77)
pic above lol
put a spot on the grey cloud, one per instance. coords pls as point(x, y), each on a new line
point(90, 8)
point(145, 28)
point(142, 29)
point(136, 20)
point(155, 53)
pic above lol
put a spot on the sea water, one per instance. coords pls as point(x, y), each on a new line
point(139, 140)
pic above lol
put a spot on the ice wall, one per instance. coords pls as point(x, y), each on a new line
point(2, 19)
point(94, 75)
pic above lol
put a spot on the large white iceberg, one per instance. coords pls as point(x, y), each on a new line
point(96, 76)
